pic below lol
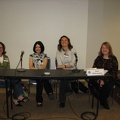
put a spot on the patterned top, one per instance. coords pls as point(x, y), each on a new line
point(65, 58)
point(38, 59)
point(5, 63)
point(108, 64)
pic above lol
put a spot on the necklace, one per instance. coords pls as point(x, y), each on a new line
point(104, 61)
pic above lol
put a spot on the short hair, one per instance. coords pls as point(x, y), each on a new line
point(107, 44)
point(41, 46)
point(69, 43)
point(4, 52)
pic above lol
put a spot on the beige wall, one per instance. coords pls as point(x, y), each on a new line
point(103, 25)
point(111, 25)
point(87, 22)
point(23, 22)
point(94, 34)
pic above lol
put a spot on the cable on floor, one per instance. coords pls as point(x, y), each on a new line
point(21, 116)
point(17, 116)
point(85, 115)
point(3, 118)
point(88, 115)
point(4, 107)
point(72, 108)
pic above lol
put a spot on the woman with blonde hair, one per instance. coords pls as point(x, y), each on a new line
point(107, 60)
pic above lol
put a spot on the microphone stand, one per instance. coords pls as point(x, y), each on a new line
point(76, 70)
point(20, 69)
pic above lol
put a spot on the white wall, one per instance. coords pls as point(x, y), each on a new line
point(23, 22)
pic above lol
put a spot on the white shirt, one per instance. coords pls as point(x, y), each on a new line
point(64, 58)
point(1, 59)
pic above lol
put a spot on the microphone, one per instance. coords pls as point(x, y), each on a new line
point(22, 53)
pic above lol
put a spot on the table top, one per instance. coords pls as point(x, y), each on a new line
point(51, 74)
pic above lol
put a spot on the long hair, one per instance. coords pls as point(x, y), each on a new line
point(41, 46)
point(4, 52)
point(107, 44)
point(69, 43)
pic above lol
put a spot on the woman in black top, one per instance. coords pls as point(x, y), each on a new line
point(108, 61)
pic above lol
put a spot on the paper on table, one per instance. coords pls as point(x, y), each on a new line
point(95, 71)
point(105, 71)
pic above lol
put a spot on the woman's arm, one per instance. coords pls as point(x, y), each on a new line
point(118, 75)
point(115, 66)
point(31, 66)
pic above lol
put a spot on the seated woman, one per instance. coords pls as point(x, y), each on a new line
point(38, 60)
point(18, 95)
point(108, 61)
point(66, 60)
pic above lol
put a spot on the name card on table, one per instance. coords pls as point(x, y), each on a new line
point(95, 72)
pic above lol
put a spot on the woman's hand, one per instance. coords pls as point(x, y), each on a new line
point(101, 82)
point(61, 66)
point(118, 75)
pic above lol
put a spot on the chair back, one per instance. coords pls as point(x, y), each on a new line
point(56, 63)
point(49, 63)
